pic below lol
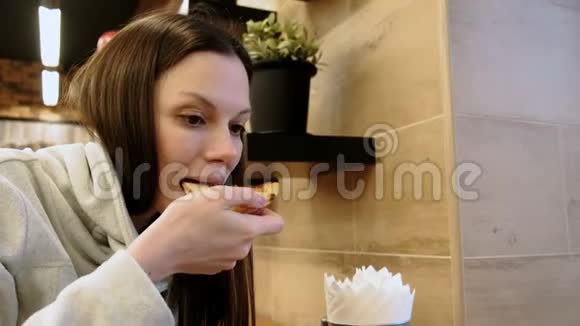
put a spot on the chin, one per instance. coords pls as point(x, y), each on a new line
point(161, 203)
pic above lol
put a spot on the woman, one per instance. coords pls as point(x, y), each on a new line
point(90, 234)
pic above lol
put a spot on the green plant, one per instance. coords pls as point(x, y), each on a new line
point(270, 40)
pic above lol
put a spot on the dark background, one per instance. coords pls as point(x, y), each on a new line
point(82, 23)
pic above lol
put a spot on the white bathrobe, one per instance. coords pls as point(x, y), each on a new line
point(64, 229)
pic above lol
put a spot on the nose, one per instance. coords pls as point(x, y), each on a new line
point(222, 147)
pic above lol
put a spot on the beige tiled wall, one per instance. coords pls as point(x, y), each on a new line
point(516, 79)
point(289, 280)
point(516, 58)
point(522, 290)
point(383, 62)
point(408, 225)
point(571, 156)
point(520, 209)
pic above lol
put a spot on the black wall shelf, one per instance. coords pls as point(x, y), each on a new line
point(273, 147)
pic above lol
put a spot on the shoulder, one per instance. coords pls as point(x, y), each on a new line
point(13, 218)
point(16, 170)
point(28, 162)
point(12, 197)
point(8, 155)
point(21, 174)
point(26, 238)
point(27, 155)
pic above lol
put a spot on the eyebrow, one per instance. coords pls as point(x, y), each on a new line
point(207, 102)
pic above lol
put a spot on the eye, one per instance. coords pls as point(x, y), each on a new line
point(237, 130)
point(194, 120)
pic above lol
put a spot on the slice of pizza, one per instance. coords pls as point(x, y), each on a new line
point(268, 190)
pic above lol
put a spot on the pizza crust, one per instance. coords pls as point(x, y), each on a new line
point(268, 190)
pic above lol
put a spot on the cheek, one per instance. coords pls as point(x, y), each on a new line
point(175, 144)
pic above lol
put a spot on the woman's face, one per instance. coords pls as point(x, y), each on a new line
point(201, 106)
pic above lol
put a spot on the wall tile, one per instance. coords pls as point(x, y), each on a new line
point(520, 207)
point(430, 277)
point(571, 150)
point(574, 224)
point(396, 222)
point(532, 291)
point(390, 71)
point(320, 17)
point(316, 215)
point(516, 58)
point(297, 290)
point(263, 287)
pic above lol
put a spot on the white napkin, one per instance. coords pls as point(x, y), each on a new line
point(371, 298)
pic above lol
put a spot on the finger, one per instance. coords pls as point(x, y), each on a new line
point(268, 223)
point(242, 251)
point(241, 196)
point(227, 265)
point(204, 193)
point(206, 270)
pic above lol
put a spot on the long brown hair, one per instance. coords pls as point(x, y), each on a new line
point(113, 91)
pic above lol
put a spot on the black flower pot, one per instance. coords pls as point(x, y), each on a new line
point(279, 96)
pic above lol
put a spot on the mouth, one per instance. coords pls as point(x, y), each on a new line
point(268, 191)
point(209, 183)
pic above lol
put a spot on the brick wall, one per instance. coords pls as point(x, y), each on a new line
point(20, 83)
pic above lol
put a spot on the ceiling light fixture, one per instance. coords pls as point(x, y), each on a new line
point(49, 23)
point(50, 87)
point(184, 8)
point(49, 18)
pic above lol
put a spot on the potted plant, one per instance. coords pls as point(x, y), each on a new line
point(284, 60)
